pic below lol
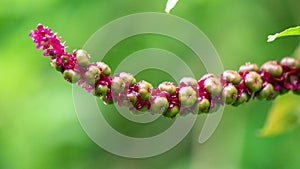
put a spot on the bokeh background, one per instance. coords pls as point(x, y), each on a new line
point(38, 124)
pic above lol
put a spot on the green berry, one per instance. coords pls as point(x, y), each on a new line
point(145, 85)
point(253, 81)
point(241, 99)
point(128, 78)
point(290, 62)
point(167, 87)
point(71, 76)
point(172, 112)
point(273, 67)
point(92, 75)
point(203, 106)
point(248, 67)
point(188, 81)
point(159, 105)
point(132, 98)
point(117, 85)
point(82, 57)
point(266, 91)
point(187, 96)
point(231, 77)
point(100, 90)
point(145, 94)
point(213, 85)
point(104, 68)
point(229, 93)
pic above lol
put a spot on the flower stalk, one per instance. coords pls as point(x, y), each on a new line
point(234, 88)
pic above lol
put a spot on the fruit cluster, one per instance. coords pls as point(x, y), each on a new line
point(202, 96)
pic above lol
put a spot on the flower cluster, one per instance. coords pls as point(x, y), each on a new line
point(191, 96)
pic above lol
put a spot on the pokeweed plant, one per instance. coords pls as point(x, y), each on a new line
point(234, 88)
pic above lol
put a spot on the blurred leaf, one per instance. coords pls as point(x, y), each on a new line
point(283, 116)
point(288, 32)
point(170, 5)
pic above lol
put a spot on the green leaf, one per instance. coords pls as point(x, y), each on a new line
point(288, 32)
point(283, 116)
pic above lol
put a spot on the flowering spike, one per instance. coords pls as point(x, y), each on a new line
point(203, 96)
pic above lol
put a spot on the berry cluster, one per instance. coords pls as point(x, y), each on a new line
point(202, 96)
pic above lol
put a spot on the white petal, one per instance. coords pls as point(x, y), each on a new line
point(170, 5)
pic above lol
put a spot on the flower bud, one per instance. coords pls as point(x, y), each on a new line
point(167, 87)
point(187, 96)
point(83, 58)
point(92, 75)
point(55, 66)
point(203, 105)
point(159, 105)
point(266, 91)
point(248, 67)
point(231, 76)
point(188, 81)
point(117, 85)
point(104, 68)
point(253, 81)
point(100, 90)
point(242, 98)
point(172, 112)
point(213, 85)
point(71, 76)
point(273, 67)
point(229, 93)
point(128, 78)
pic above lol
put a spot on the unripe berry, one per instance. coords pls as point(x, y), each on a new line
point(127, 77)
point(229, 93)
point(159, 105)
point(117, 85)
point(168, 87)
point(145, 85)
point(203, 106)
point(231, 76)
point(290, 62)
point(83, 58)
point(248, 67)
point(273, 67)
point(145, 94)
point(172, 112)
point(266, 91)
point(100, 90)
point(92, 75)
point(144, 89)
point(104, 68)
point(242, 98)
point(188, 81)
point(213, 85)
point(132, 98)
point(253, 81)
point(187, 96)
point(71, 76)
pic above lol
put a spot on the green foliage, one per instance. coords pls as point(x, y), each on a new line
point(288, 32)
point(283, 116)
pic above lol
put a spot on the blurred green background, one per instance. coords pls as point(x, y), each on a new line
point(38, 123)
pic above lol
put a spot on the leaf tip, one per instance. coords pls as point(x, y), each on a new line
point(271, 38)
